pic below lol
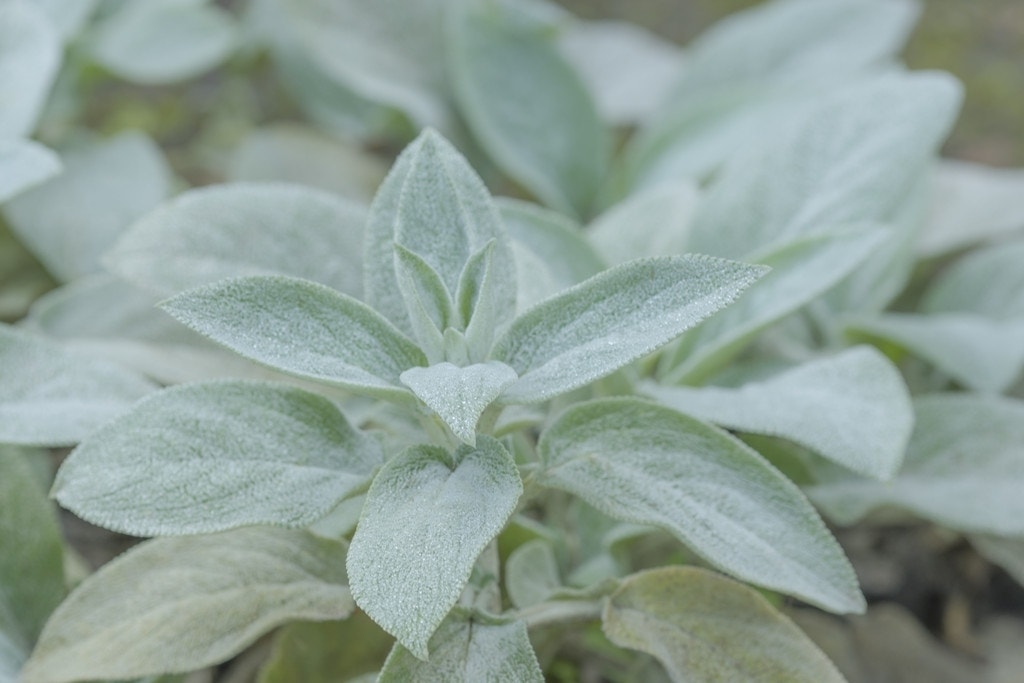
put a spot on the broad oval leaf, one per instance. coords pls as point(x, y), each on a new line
point(531, 573)
point(428, 516)
point(71, 220)
point(221, 231)
point(612, 319)
point(30, 54)
point(198, 600)
point(704, 627)
point(853, 408)
point(50, 396)
point(644, 463)
point(459, 395)
point(163, 41)
point(536, 120)
point(302, 328)
point(23, 165)
point(987, 281)
point(433, 204)
point(212, 456)
point(32, 564)
point(978, 352)
point(469, 649)
point(964, 469)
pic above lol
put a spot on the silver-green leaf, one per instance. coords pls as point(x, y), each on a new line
point(198, 600)
point(468, 649)
point(212, 456)
point(645, 463)
point(459, 395)
point(236, 229)
point(302, 328)
point(964, 469)
point(428, 516)
point(705, 628)
point(614, 318)
point(853, 408)
point(537, 121)
point(50, 396)
point(30, 54)
point(23, 165)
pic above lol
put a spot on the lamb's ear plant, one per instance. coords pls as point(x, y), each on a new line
point(410, 430)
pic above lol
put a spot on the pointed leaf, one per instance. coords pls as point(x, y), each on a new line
point(163, 41)
point(459, 395)
point(801, 271)
point(70, 220)
point(435, 205)
point(23, 165)
point(849, 158)
point(428, 304)
point(978, 352)
point(218, 455)
point(612, 319)
point(467, 649)
point(551, 253)
point(644, 463)
point(704, 627)
point(853, 408)
point(32, 566)
point(50, 396)
point(427, 517)
point(30, 54)
point(964, 469)
point(535, 120)
point(198, 600)
point(221, 231)
point(302, 328)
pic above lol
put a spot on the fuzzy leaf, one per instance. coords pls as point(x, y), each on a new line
point(612, 319)
point(531, 573)
point(459, 395)
point(302, 328)
point(964, 469)
point(198, 600)
point(428, 304)
point(30, 54)
point(644, 463)
point(326, 651)
point(163, 41)
point(69, 221)
point(428, 516)
point(651, 222)
point(23, 165)
point(551, 253)
point(536, 120)
point(50, 396)
point(800, 272)
point(32, 565)
point(978, 352)
point(849, 158)
point(207, 457)
point(433, 204)
point(467, 649)
point(704, 627)
point(853, 408)
point(987, 281)
point(223, 231)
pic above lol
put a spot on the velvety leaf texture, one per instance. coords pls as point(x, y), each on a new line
point(433, 204)
point(644, 463)
point(30, 54)
point(704, 627)
point(467, 649)
point(964, 469)
point(198, 600)
point(427, 517)
point(207, 457)
point(988, 281)
point(650, 222)
point(221, 231)
point(612, 319)
point(853, 408)
point(50, 396)
point(24, 164)
point(536, 121)
point(459, 395)
point(531, 573)
point(302, 328)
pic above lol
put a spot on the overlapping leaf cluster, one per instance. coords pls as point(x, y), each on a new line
point(402, 406)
